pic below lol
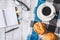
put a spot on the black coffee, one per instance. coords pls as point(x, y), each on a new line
point(46, 11)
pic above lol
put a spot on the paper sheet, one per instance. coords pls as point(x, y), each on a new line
point(11, 17)
point(2, 21)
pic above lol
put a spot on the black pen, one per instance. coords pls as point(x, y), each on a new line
point(11, 30)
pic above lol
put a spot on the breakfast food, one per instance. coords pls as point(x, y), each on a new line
point(39, 27)
point(50, 36)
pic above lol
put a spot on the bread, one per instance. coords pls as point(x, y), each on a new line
point(50, 36)
point(39, 27)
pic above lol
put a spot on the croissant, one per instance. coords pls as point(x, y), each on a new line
point(39, 27)
point(50, 36)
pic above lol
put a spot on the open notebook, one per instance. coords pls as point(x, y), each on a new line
point(8, 17)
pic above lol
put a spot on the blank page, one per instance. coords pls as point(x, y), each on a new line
point(2, 21)
point(10, 15)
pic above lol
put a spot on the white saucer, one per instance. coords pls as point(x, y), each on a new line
point(43, 17)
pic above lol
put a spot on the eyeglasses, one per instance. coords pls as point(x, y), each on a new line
point(23, 5)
